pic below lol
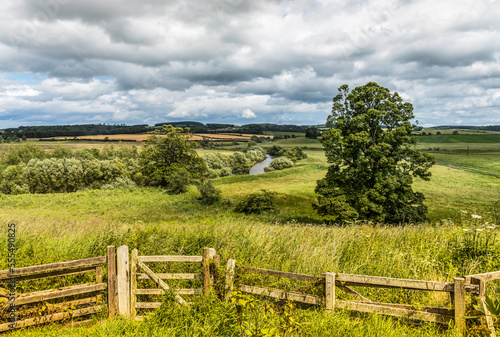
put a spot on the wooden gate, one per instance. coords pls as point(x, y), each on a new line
point(145, 286)
point(61, 301)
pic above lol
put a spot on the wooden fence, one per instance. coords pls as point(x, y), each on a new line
point(58, 303)
point(133, 285)
point(457, 290)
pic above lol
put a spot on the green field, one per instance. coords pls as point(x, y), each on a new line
point(63, 227)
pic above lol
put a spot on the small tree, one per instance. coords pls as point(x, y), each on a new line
point(372, 162)
point(169, 153)
point(312, 132)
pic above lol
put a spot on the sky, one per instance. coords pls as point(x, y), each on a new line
point(239, 62)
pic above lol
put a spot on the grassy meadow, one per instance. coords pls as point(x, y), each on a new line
point(63, 227)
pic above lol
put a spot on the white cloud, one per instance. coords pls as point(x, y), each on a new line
point(220, 60)
point(248, 114)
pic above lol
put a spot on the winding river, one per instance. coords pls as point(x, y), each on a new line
point(259, 167)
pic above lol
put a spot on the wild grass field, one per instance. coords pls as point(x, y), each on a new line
point(63, 227)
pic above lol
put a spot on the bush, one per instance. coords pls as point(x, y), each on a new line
point(122, 182)
point(281, 163)
point(239, 163)
point(209, 193)
point(256, 202)
point(275, 151)
point(179, 181)
point(295, 154)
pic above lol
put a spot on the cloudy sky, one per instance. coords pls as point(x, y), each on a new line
point(242, 61)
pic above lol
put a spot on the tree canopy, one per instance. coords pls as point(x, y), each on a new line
point(373, 160)
point(169, 152)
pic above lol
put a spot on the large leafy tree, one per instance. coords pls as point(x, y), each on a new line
point(373, 160)
point(169, 153)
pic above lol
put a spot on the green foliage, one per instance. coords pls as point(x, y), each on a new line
point(280, 163)
point(162, 156)
point(120, 182)
point(295, 154)
point(313, 132)
point(209, 193)
point(372, 160)
point(239, 163)
point(179, 181)
point(275, 151)
point(23, 154)
point(256, 202)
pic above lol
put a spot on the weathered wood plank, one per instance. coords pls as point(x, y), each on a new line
point(6, 274)
point(52, 294)
point(495, 275)
point(231, 265)
point(153, 291)
point(179, 276)
point(292, 296)
point(112, 287)
point(148, 305)
point(51, 318)
point(169, 258)
point(98, 279)
point(434, 310)
point(377, 281)
point(206, 269)
point(460, 303)
point(284, 274)
point(393, 311)
point(64, 272)
point(158, 280)
point(133, 283)
point(330, 292)
point(123, 281)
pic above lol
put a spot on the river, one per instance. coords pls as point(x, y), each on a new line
point(259, 167)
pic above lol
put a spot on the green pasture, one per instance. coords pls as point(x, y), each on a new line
point(449, 138)
point(63, 227)
point(284, 133)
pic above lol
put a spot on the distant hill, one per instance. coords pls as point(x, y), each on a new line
point(72, 130)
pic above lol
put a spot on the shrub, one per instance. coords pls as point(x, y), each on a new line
point(209, 193)
point(275, 151)
point(256, 202)
point(295, 154)
point(239, 163)
point(121, 182)
point(281, 163)
point(179, 181)
point(23, 154)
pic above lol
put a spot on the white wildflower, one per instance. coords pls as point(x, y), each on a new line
point(475, 216)
point(479, 229)
point(466, 229)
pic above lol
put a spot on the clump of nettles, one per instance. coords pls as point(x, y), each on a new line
point(256, 202)
point(209, 193)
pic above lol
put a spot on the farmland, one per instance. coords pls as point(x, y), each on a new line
point(216, 137)
point(66, 226)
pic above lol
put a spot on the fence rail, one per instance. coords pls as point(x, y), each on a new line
point(474, 284)
point(91, 292)
point(125, 275)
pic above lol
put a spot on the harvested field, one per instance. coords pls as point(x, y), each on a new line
point(226, 137)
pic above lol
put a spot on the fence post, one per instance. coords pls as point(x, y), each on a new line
point(459, 295)
point(206, 269)
point(133, 283)
point(482, 297)
point(231, 264)
point(123, 281)
point(329, 292)
point(112, 300)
